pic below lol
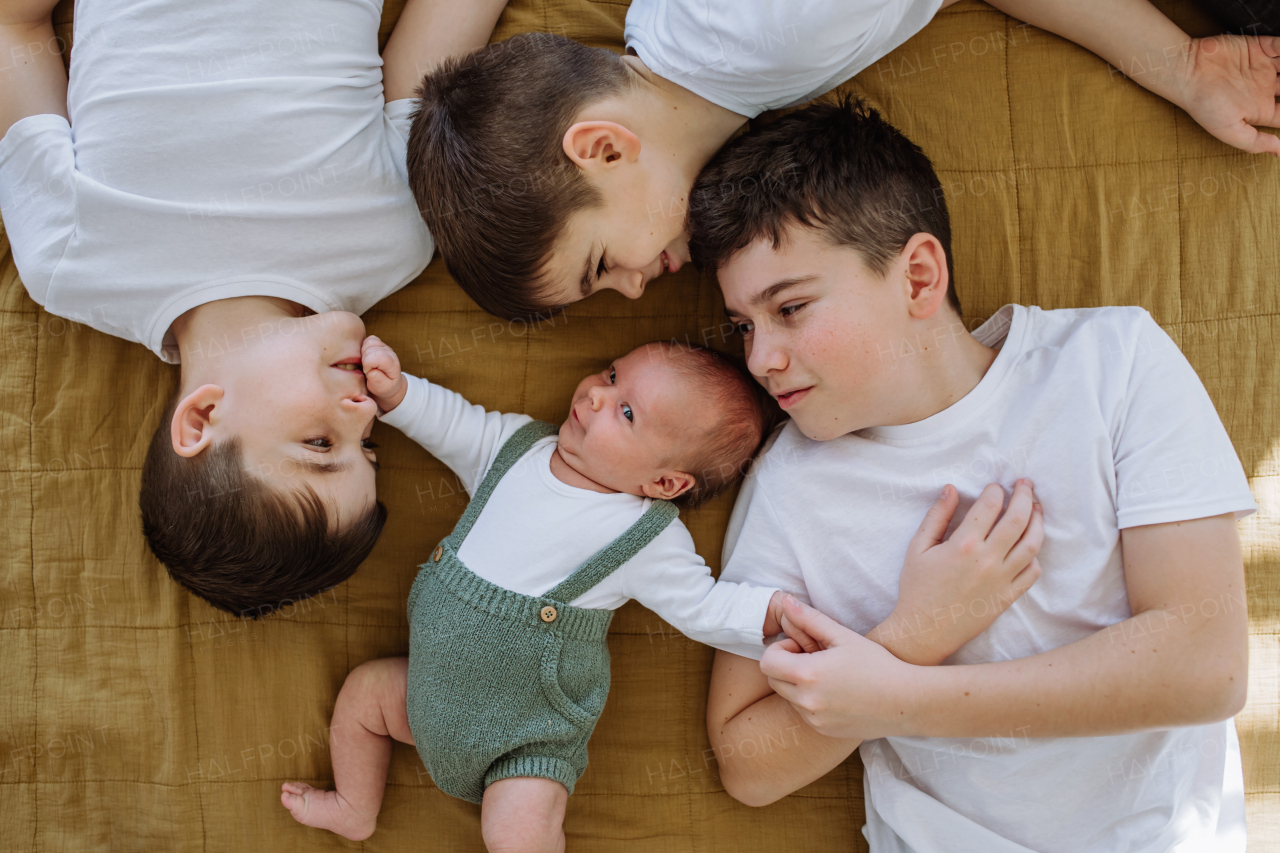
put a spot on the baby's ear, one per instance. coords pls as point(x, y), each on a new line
point(191, 429)
point(669, 485)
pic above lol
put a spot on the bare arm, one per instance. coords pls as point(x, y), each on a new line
point(430, 31)
point(1180, 660)
point(33, 80)
point(1226, 83)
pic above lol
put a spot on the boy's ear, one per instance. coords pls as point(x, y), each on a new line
point(191, 428)
point(599, 145)
point(669, 486)
point(926, 275)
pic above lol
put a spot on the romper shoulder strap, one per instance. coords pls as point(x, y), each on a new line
point(632, 542)
point(515, 447)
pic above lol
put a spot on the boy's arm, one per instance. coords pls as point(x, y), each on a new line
point(1226, 83)
point(1181, 660)
point(33, 80)
point(427, 33)
point(989, 557)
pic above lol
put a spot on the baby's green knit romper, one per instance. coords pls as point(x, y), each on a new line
point(503, 684)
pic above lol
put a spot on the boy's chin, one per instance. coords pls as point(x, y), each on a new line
point(819, 426)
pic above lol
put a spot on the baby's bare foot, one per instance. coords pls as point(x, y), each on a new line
point(326, 810)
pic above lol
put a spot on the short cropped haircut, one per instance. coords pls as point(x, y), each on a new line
point(487, 167)
point(836, 167)
point(726, 453)
point(239, 543)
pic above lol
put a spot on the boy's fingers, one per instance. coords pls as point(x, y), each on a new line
point(1017, 516)
point(797, 634)
point(1030, 543)
point(818, 625)
point(1025, 580)
point(790, 645)
point(983, 514)
point(936, 520)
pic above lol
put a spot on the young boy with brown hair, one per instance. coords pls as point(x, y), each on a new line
point(225, 184)
point(1094, 714)
point(547, 170)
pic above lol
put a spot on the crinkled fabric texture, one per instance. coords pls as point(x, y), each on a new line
point(137, 717)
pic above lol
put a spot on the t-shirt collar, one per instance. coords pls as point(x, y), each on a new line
point(1008, 325)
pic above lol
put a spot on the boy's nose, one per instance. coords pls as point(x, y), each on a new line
point(764, 355)
point(632, 285)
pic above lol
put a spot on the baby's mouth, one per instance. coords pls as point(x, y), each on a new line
point(350, 365)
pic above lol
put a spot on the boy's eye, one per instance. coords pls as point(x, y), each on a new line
point(601, 269)
point(321, 442)
point(626, 413)
point(743, 328)
point(788, 310)
point(368, 444)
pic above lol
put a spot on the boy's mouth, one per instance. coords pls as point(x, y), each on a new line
point(670, 264)
point(789, 398)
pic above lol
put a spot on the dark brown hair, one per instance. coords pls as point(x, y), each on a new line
point(837, 167)
point(729, 447)
point(486, 164)
point(237, 542)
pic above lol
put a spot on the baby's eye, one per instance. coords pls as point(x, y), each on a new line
point(368, 444)
point(321, 442)
point(613, 375)
point(626, 413)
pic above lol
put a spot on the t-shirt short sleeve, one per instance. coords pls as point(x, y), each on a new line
point(757, 55)
point(756, 549)
point(400, 114)
point(1173, 458)
point(38, 197)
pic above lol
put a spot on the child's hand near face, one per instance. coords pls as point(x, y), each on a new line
point(382, 376)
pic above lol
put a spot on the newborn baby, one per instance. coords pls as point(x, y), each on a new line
point(508, 669)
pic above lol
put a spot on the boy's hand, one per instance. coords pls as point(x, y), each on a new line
point(951, 591)
point(775, 622)
point(1229, 85)
point(849, 687)
point(382, 376)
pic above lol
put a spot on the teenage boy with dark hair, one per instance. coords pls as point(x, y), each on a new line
point(547, 170)
point(225, 184)
point(1094, 713)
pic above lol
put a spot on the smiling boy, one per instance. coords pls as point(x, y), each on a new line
point(225, 184)
point(1094, 713)
point(547, 170)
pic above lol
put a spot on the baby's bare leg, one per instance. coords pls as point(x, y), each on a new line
point(370, 711)
point(524, 815)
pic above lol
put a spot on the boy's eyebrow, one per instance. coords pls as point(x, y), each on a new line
point(585, 284)
point(768, 294)
point(318, 467)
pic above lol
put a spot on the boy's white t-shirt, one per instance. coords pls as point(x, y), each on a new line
point(1102, 411)
point(759, 55)
point(535, 530)
point(215, 150)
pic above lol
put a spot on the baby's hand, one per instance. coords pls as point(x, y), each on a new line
point(951, 591)
point(776, 622)
point(382, 376)
point(1229, 85)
